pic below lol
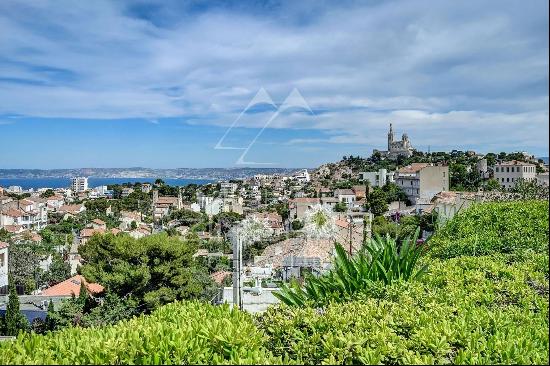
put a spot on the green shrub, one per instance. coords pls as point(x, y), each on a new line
point(180, 333)
point(381, 263)
point(496, 227)
point(478, 310)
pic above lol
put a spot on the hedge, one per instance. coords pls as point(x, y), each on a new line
point(495, 227)
point(466, 311)
point(487, 304)
point(178, 333)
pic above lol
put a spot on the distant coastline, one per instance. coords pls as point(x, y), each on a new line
point(35, 183)
point(143, 173)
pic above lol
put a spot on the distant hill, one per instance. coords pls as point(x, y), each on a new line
point(137, 172)
point(544, 158)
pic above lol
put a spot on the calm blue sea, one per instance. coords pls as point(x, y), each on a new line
point(36, 183)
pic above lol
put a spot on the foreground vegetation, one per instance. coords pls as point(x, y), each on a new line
point(471, 307)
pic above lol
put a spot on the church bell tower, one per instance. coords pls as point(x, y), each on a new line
point(390, 137)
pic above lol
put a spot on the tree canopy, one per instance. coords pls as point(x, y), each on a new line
point(154, 270)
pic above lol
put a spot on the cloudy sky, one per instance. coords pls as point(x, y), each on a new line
point(168, 83)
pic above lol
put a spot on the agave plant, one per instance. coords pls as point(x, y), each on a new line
point(381, 262)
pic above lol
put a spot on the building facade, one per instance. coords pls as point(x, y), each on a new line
point(397, 148)
point(79, 184)
point(508, 173)
point(377, 179)
point(422, 181)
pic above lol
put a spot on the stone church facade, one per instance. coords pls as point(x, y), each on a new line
point(397, 148)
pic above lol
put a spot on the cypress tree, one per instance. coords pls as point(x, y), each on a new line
point(50, 317)
point(83, 293)
point(15, 321)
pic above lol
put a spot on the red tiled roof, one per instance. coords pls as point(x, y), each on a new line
point(304, 200)
point(3, 245)
point(86, 233)
point(219, 276)
point(515, 162)
point(72, 286)
point(12, 212)
point(71, 208)
point(98, 221)
point(413, 168)
point(13, 228)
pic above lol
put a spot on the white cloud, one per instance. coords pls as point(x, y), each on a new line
point(438, 70)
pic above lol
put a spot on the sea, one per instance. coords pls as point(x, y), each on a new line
point(35, 183)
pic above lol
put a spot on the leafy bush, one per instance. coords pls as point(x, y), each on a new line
point(497, 227)
point(478, 310)
point(381, 262)
point(178, 333)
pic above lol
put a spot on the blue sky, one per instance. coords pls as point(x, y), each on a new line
point(157, 84)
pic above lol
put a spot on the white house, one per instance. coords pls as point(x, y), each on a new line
point(507, 173)
point(377, 179)
point(302, 176)
point(346, 196)
point(422, 181)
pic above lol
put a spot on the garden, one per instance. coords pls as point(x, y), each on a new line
point(475, 293)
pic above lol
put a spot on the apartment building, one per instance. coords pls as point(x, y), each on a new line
point(79, 184)
point(227, 189)
point(507, 173)
point(422, 181)
point(377, 179)
point(25, 214)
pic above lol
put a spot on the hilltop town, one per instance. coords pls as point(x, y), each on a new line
point(44, 232)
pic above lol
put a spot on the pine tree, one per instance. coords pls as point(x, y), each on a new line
point(15, 321)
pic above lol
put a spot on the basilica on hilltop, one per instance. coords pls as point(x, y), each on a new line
point(398, 148)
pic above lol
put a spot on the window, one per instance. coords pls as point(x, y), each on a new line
point(507, 179)
point(507, 170)
point(496, 169)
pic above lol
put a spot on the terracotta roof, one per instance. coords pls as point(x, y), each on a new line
point(131, 215)
point(219, 276)
point(72, 286)
point(167, 200)
point(12, 212)
point(3, 245)
point(13, 228)
point(515, 162)
point(304, 200)
point(115, 231)
point(98, 221)
point(340, 191)
point(342, 223)
point(86, 233)
point(413, 168)
point(319, 248)
point(71, 208)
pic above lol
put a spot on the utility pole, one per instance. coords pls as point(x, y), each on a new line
point(237, 260)
point(350, 228)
